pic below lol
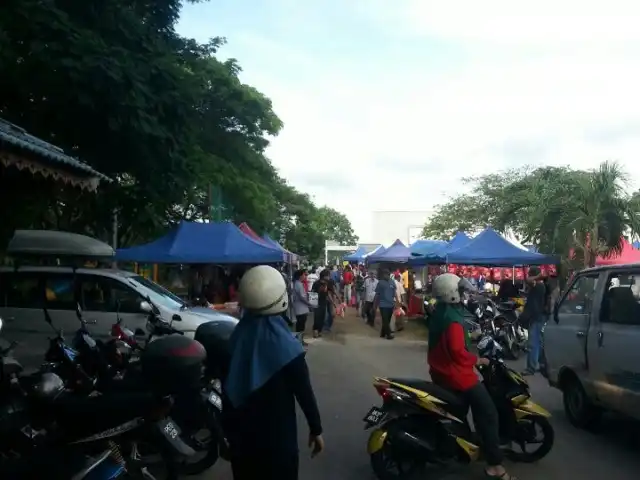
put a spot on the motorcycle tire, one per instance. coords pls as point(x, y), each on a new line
point(545, 446)
point(384, 460)
point(212, 449)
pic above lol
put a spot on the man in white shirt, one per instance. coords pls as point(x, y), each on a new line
point(370, 284)
point(397, 323)
point(312, 276)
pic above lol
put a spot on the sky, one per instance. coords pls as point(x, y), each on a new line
point(386, 104)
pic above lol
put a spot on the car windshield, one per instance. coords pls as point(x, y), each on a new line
point(157, 294)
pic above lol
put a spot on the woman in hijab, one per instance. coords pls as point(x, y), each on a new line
point(267, 374)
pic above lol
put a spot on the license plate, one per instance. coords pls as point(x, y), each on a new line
point(374, 417)
point(215, 400)
point(171, 432)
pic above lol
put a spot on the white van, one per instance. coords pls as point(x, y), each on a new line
point(592, 345)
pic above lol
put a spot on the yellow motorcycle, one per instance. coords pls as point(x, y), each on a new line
point(421, 424)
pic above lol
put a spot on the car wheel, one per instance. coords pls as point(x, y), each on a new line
point(580, 411)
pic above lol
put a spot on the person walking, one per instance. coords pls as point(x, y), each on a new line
point(385, 300)
point(267, 375)
point(370, 284)
point(397, 322)
point(322, 287)
point(535, 313)
point(347, 283)
point(359, 287)
point(301, 304)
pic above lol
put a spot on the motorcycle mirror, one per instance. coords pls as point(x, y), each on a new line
point(145, 307)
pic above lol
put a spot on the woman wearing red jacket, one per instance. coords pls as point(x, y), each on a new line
point(452, 366)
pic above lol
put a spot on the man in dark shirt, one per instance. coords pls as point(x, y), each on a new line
point(535, 310)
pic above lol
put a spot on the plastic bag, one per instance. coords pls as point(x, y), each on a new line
point(313, 299)
point(340, 309)
point(399, 312)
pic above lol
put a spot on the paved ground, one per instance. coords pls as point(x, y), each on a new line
point(342, 369)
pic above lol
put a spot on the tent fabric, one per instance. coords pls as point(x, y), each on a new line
point(628, 255)
point(636, 245)
point(378, 251)
point(247, 230)
point(291, 257)
point(194, 242)
point(398, 252)
point(459, 239)
point(424, 247)
point(356, 256)
point(490, 248)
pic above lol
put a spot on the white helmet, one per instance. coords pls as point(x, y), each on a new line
point(445, 288)
point(263, 291)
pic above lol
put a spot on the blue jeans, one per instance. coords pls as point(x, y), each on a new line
point(535, 345)
point(328, 320)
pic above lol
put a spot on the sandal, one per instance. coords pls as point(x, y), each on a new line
point(504, 476)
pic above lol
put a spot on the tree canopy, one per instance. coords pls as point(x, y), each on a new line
point(114, 84)
point(575, 213)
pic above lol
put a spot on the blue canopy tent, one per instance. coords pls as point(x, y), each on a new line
point(636, 245)
point(491, 249)
point(356, 256)
point(460, 239)
point(398, 252)
point(192, 242)
point(423, 247)
point(291, 257)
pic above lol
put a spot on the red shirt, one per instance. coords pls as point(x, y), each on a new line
point(452, 365)
point(347, 278)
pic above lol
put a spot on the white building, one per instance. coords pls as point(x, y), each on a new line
point(405, 225)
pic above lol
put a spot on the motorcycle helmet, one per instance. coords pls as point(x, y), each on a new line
point(263, 291)
point(445, 288)
point(488, 347)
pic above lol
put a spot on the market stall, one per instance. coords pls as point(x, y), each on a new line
point(357, 256)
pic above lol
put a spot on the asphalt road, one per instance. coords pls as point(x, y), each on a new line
point(342, 370)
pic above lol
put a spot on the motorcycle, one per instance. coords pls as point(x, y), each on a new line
point(509, 333)
point(48, 432)
point(422, 424)
point(88, 366)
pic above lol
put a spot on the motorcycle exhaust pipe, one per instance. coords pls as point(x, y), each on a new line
point(413, 441)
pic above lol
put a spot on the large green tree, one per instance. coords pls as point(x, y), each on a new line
point(575, 213)
point(180, 134)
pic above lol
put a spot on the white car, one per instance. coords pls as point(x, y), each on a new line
point(102, 294)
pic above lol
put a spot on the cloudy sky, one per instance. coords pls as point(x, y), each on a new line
point(387, 102)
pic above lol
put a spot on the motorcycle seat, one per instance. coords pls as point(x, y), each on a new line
point(452, 399)
point(506, 306)
point(80, 415)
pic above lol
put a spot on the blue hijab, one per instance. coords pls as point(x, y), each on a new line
point(260, 347)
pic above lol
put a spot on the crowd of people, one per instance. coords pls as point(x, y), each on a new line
point(268, 371)
point(327, 292)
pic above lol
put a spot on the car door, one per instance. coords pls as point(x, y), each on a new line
point(614, 348)
point(21, 298)
point(105, 299)
point(566, 337)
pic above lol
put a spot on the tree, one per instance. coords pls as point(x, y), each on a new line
point(559, 209)
point(112, 83)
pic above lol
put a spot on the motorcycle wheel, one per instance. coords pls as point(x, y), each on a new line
point(526, 434)
point(393, 462)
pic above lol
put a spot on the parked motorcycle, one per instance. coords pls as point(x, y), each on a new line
point(421, 424)
point(48, 432)
point(511, 336)
point(88, 366)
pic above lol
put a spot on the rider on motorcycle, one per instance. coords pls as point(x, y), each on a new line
point(452, 366)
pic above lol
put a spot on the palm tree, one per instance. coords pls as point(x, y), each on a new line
point(598, 213)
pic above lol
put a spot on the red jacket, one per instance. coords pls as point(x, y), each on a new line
point(347, 278)
point(452, 365)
